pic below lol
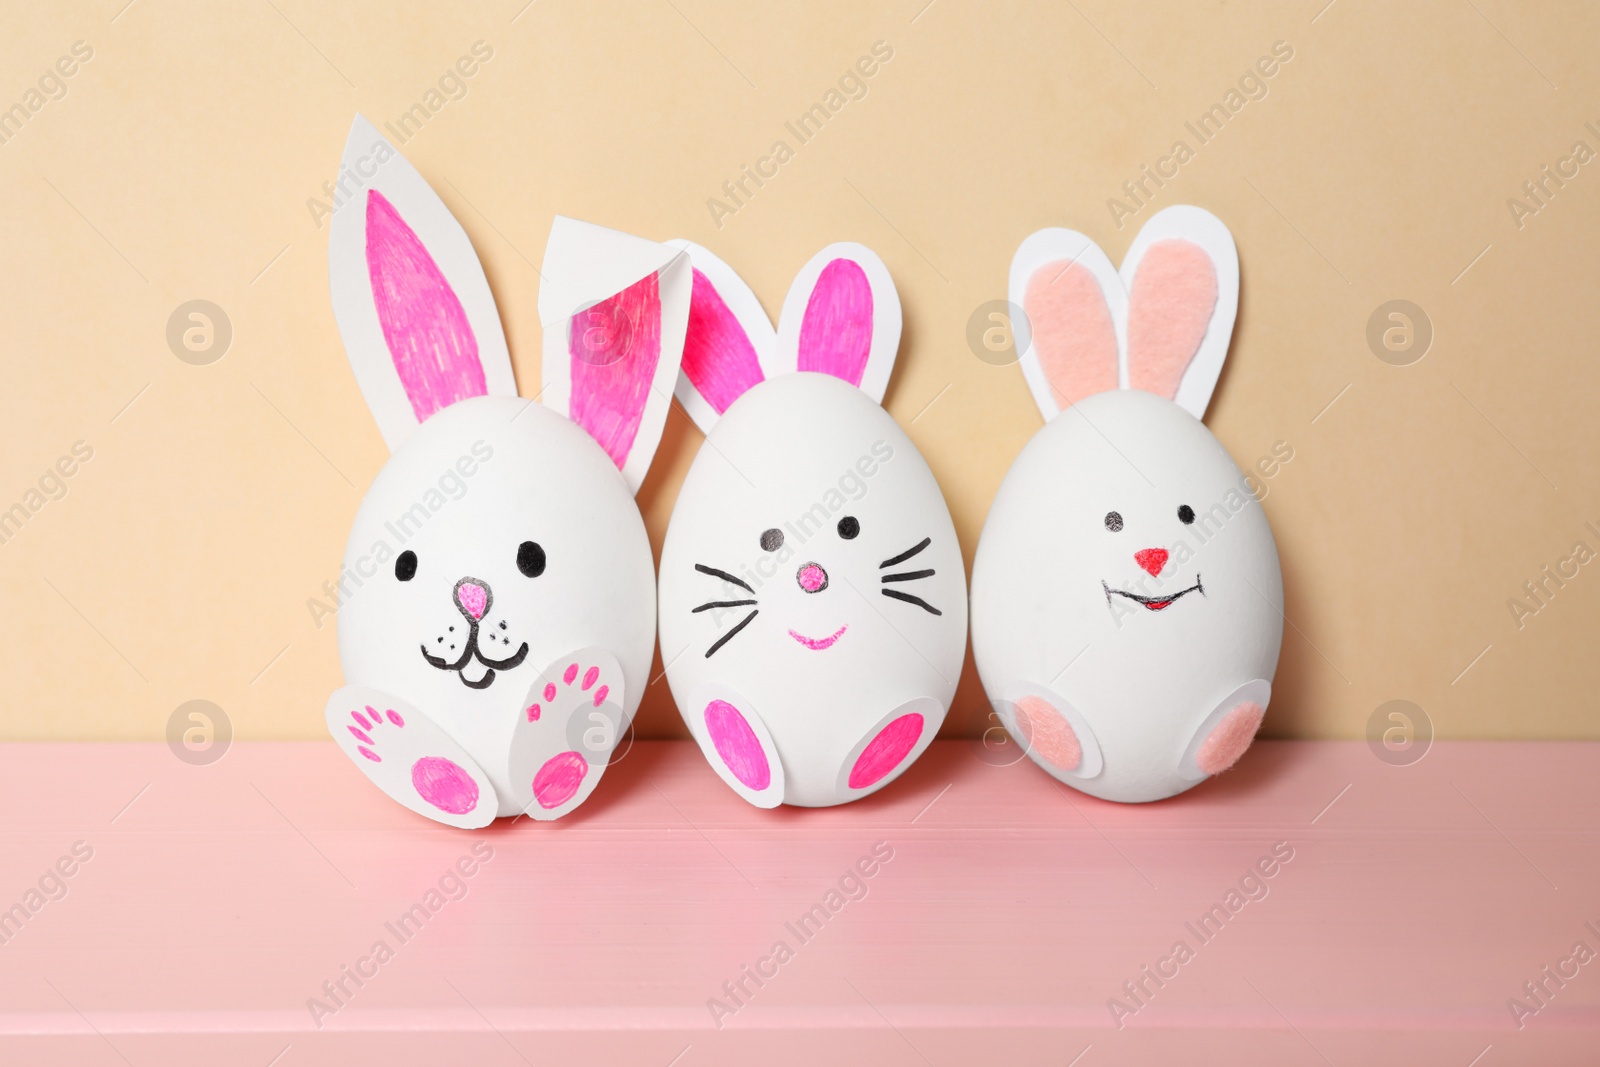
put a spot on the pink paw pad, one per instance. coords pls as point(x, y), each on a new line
point(558, 780)
point(1230, 738)
point(884, 752)
point(444, 784)
point(737, 744)
point(1047, 732)
point(533, 713)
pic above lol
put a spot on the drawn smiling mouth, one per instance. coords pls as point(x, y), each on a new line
point(1154, 603)
point(817, 644)
point(472, 652)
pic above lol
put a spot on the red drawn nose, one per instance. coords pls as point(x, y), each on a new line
point(1151, 559)
point(472, 597)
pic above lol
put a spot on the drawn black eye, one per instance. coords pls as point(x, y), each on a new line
point(405, 565)
point(771, 540)
point(1185, 514)
point(849, 527)
point(1114, 521)
point(530, 559)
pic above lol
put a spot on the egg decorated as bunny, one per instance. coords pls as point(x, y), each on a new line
point(497, 601)
point(812, 593)
point(1127, 604)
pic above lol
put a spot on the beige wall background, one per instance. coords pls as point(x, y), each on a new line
point(177, 163)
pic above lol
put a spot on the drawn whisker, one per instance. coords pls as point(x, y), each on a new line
point(907, 576)
point(724, 575)
point(907, 554)
point(721, 604)
point(907, 597)
point(725, 638)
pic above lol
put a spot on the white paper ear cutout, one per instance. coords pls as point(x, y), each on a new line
point(1184, 222)
point(413, 307)
point(730, 345)
point(841, 317)
point(1070, 346)
point(614, 308)
point(1063, 344)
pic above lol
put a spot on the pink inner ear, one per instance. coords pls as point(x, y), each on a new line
point(434, 350)
point(836, 333)
point(718, 357)
point(615, 346)
point(1174, 296)
point(1073, 336)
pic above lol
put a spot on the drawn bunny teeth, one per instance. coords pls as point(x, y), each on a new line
point(519, 531)
point(1138, 693)
point(808, 690)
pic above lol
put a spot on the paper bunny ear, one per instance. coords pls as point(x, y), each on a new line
point(841, 317)
point(614, 308)
point(414, 310)
point(1162, 324)
point(1182, 279)
point(1075, 304)
point(730, 344)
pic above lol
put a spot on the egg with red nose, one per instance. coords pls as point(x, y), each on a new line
point(1127, 608)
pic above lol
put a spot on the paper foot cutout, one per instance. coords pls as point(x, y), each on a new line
point(738, 745)
point(893, 744)
point(1051, 731)
point(409, 757)
point(565, 732)
point(1225, 734)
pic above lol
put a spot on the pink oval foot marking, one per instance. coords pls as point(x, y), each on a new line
point(737, 744)
point(559, 779)
point(444, 784)
point(367, 752)
point(589, 678)
point(1230, 738)
point(884, 752)
point(1048, 733)
point(569, 674)
point(533, 713)
point(549, 691)
point(601, 694)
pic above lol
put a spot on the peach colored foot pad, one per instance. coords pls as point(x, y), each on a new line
point(1050, 735)
point(1230, 739)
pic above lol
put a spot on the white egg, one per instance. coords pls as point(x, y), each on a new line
point(812, 597)
point(496, 606)
point(812, 503)
point(1127, 567)
point(1127, 606)
point(463, 496)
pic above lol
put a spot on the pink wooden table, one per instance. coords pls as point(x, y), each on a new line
point(1002, 916)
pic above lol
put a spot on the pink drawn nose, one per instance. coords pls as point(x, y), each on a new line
point(1151, 559)
point(472, 597)
point(812, 578)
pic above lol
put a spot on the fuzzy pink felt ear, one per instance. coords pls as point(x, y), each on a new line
point(435, 353)
point(1073, 334)
point(1173, 298)
point(836, 332)
point(718, 357)
point(614, 346)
